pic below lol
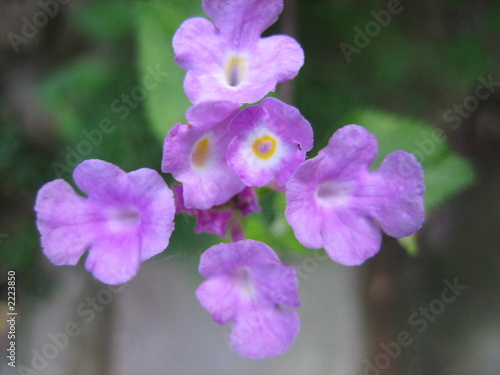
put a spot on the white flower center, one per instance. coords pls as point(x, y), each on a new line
point(123, 219)
point(332, 192)
point(244, 278)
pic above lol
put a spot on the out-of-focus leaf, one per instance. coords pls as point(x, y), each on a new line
point(105, 19)
point(166, 103)
point(70, 89)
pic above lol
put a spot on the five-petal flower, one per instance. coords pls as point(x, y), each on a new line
point(125, 219)
point(195, 154)
point(245, 284)
point(333, 201)
point(229, 60)
point(271, 140)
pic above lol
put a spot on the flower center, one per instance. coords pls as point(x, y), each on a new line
point(332, 192)
point(123, 219)
point(244, 278)
point(264, 147)
point(199, 156)
point(235, 70)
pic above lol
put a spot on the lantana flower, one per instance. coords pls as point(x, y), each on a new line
point(271, 140)
point(220, 219)
point(227, 59)
point(333, 201)
point(246, 284)
point(125, 219)
point(195, 154)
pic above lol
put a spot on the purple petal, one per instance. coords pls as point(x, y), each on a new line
point(245, 284)
point(352, 150)
point(271, 141)
point(287, 120)
point(277, 283)
point(320, 219)
point(212, 112)
point(126, 219)
point(263, 333)
point(179, 200)
point(219, 296)
point(210, 86)
point(65, 221)
point(393, 196)
point(230, 62)
point(226, 258)
point(272, 280)
point(301, 211)
point(195, 155)
point(275, 59)
point(115, 259)
point(94, 178)
point(155, 203)
point(197, 46)
point(247, 202)
point(333, 200)
point(243, 21)
point(350, 238)
point(213, 221)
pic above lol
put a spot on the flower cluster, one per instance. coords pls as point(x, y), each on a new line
point(235, 139)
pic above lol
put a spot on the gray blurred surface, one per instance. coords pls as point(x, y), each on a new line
point(157, 326)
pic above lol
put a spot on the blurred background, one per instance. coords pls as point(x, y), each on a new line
point(96, 79)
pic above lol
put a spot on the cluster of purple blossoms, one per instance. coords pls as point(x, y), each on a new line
point(219, 156)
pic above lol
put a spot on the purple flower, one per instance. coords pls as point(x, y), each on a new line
point(271, 140)
point(229, 60)
point(246, 202)
point(195, 154)
point(245, 284)
point(334, 202)
point(213, 220)
point(217, 220)
point(125, 219)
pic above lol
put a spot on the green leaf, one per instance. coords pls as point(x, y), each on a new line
point(158, 21)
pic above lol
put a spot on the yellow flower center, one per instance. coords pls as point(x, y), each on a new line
point(200, 152)
point(264, 147)
point(235, 70)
